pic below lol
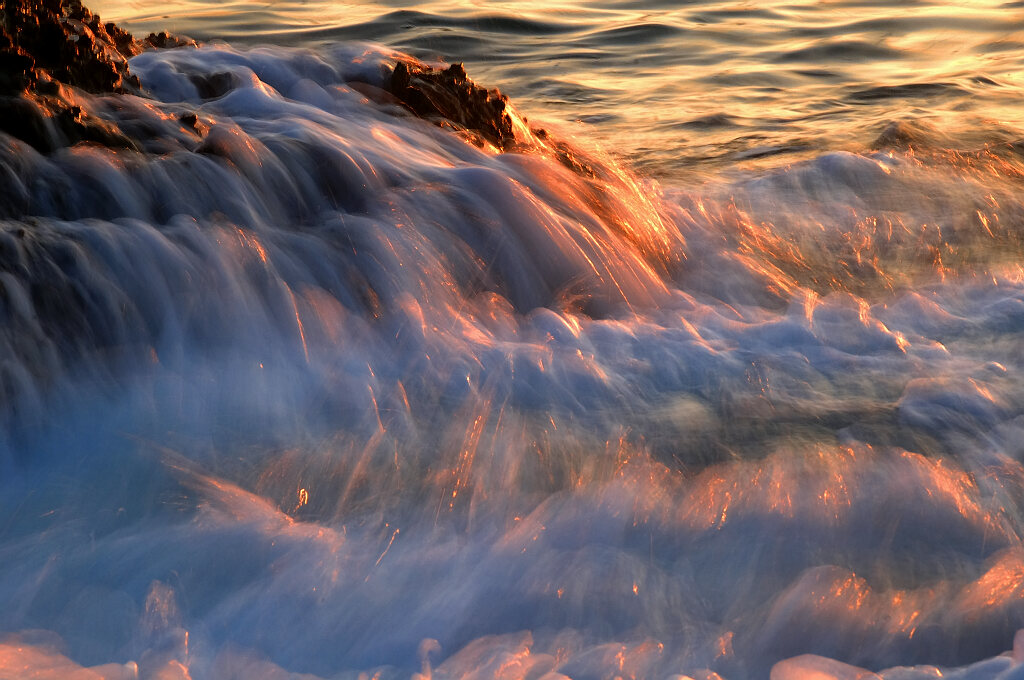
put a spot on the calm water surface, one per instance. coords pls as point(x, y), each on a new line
point(675, 86)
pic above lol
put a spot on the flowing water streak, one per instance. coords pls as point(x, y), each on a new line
point(328, 389)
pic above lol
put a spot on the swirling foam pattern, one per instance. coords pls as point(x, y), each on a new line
point(317, 387)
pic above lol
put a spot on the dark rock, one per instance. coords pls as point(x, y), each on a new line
point(164, 40)
point(449, 98)
point(49, 123)
point(69, 43)
point(47, 45)
point(214, 85)
point(24, 119)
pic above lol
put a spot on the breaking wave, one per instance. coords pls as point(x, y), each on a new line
point(303, 383)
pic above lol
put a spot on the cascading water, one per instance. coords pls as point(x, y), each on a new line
point(308, 385)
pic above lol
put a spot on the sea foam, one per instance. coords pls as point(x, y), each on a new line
point(315, 386)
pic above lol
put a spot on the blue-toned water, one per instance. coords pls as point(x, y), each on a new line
point(315, 388)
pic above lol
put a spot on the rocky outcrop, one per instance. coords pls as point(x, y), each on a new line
point(449, 98)
point(49, 47)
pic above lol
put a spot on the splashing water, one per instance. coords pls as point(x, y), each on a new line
point(316, 387)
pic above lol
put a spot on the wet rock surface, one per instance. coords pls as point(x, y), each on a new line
point(51, 50)
point(48, 48)
point(449, 98)
point(65, 42)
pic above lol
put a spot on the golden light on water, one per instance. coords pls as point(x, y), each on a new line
point(718, 368)
point(793, 80)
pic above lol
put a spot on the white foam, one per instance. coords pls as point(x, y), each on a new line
point(333, 380)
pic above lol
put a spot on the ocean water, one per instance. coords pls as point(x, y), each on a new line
point(319, 389)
